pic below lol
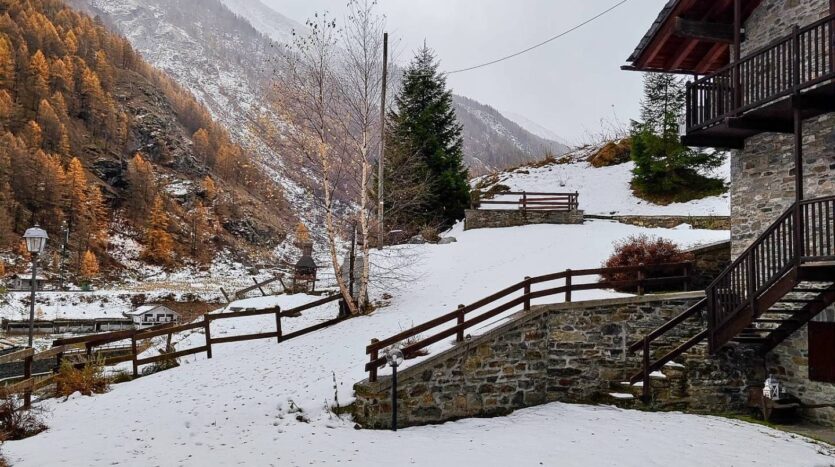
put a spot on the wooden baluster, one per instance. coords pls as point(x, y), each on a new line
point(459, 336)
point(687, 277)
point(207, 329)
point(278, 324)
point(27, 374)
point(527, 291)
point(372, 373)
point(135, 356)
point(524, 202)
point(568, 285)
point(646, 393)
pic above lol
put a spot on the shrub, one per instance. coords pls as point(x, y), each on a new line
point(642, 249)
point(430, 233)
point(87, 380)
point(16, 423)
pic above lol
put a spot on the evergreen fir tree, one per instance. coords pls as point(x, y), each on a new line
point(664, 168)
point(424, 127)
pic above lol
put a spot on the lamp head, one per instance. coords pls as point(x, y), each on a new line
point(35, 239)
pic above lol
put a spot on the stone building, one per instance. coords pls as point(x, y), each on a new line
point(775, 108)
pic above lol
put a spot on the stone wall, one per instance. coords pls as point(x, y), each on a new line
point(710, 261)
point(493, 218)
point(790, 362)
point(774, 19)
point(575, 352)
point(669, 222)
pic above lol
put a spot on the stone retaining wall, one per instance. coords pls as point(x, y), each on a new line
point(575, 352)
point(710, 261)
point(495, 218)
point(669, 222)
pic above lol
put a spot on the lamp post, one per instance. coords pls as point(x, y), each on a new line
point(35, 242)
point(394, 358)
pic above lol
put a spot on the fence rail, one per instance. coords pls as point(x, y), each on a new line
point(79, 350)
point(533, 201)
point(805, 232)
point(799, 61)
point(464, 318)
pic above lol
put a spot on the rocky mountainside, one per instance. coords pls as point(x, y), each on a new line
point(493, 142)
point(222, 50)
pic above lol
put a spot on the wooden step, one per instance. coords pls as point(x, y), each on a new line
point(750, 340)
point(775, 321)
point(799, 300)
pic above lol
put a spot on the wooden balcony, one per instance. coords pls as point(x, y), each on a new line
point(761, 92)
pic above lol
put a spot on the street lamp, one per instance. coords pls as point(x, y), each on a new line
point(35, 242)
point(394, 357)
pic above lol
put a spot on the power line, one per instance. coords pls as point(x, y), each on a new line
point(599, 15)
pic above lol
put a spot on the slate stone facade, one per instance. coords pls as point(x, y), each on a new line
point(565, 352)
point(495, 218)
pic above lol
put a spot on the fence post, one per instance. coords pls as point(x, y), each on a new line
point(527, 293)
point(460, 334)
point(135, 356)
point(207, 327)
point(646, 393)
point(524, 202)
point(372, 373)
point(278, 324)
point(641, 279)
point(27, 375)
point(687, 277)
point(568, 285)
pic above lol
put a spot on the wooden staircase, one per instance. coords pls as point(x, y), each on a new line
point(783, 280)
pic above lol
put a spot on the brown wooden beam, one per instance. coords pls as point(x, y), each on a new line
point(662, 35)
point(710, 141)
point(704, 30)
point(811, 102)
point(685, 50)
point(765, 125)
point(710, 58)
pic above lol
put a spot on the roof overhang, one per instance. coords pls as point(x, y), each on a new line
point(690, 37)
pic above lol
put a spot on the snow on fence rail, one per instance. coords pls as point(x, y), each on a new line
point(80, 350)
point(533, 201)
point(460, 315)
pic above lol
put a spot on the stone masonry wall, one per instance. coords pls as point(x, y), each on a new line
point(669, 222)
point(763, 186)
point(494, 218)
point(709, 261)
point(566, 352)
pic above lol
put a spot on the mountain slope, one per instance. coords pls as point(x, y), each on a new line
point(77, 104)
point(494, 142)
point(536, 128)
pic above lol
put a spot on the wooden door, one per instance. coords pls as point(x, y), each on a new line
point(822, 352)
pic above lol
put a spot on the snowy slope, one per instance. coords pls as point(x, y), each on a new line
point(535, 128)
point(263, 403)
point(606, 190)
point(263, 18)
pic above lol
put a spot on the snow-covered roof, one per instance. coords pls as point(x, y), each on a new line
point(141, 310)
point(27, 276)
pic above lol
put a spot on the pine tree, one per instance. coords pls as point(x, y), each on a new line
point(424, 126)
point(209, 189)
point(97, 210)
point(664, 168)
point(39, 74)
point(302, 234)
point(8, 64)
point(53, 130)
point(141, 186)
point(2, 269)
point(89, 266)
point(7, 108)
point(158, 242)
point(76, 195)
point(202, 146)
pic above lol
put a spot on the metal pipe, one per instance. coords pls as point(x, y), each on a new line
point(32, 305)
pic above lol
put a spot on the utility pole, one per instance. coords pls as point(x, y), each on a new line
point(381, 206)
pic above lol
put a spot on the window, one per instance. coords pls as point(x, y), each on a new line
point(822, 347)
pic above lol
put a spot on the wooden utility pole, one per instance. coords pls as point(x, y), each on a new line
point(380, 205)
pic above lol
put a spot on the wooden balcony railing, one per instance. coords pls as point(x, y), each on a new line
point(804, 233)
point(799, 61)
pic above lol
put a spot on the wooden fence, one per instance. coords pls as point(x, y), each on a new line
point(465, 318)
point(80, 350)
point(532, 201)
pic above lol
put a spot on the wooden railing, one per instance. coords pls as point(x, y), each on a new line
point(533, 201)
point(801, 60)
point(465, 316)
point(80, 350)
point(804, 233)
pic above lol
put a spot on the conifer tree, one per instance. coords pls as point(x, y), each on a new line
point(158, 242)
point(141, 186)
point(39, 74)
point(8, 64)
point(89, 266)
point(209, 189)
point(424, 125)
point(663, 166)
point(2, 269)
point(202, 146)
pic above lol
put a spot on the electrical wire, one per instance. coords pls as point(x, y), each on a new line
point(564, 33)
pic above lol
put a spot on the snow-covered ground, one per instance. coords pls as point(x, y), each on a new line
point(263, 403)
point(606, 191)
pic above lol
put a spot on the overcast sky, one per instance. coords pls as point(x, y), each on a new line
point(567, 86)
